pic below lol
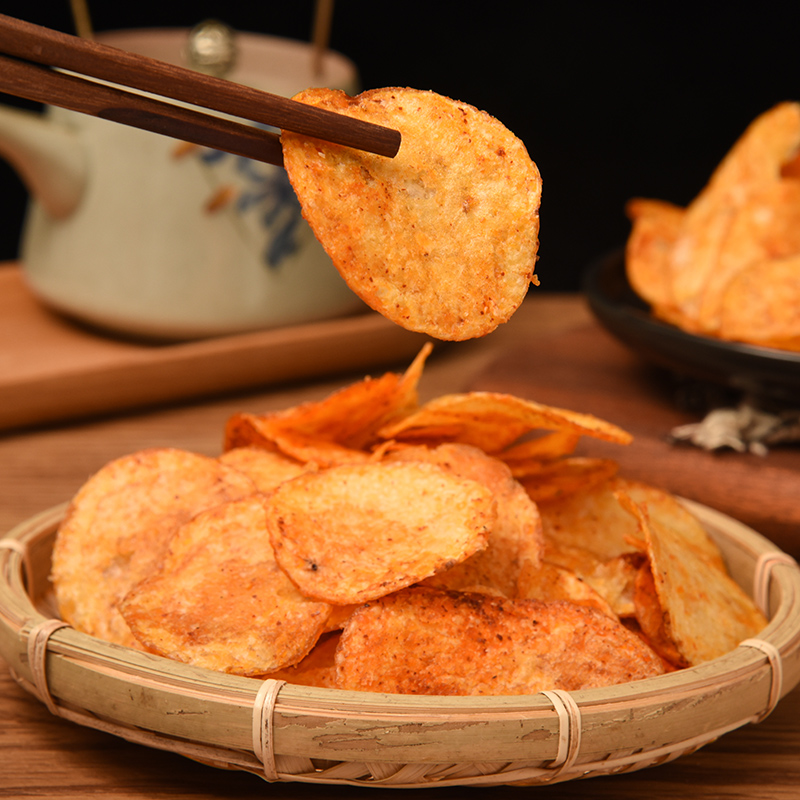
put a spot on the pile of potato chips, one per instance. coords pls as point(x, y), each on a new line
point(728, 265)
point(442, 238)
point(370, 542)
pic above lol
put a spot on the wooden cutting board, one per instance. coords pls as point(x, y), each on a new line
point(587, 370)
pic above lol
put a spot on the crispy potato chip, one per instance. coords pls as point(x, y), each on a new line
point(761, 305)
point(353, 533)
point(757, 157)
point(664, 509)
point(219, 599)
point(318, 668)
point(591, 520)
point(651, 618)
point(119, 524)
point(516, 535)
point(565, 477)
point(492, 421)
point(443, 237)
point(549, 582)
point(266, 468)
point(705, 612)
point(765, 227)
point(337, 429)
point(429, 641)
point(655, 228)
point(543, 448)
point(615, 581)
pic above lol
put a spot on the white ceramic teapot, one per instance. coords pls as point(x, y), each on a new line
point(142, 234)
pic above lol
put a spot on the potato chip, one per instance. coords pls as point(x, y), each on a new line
point(549, 582)
point(562, 478)
point(266, 468)
point(652, 621)
point(705, 613)
point(118, 525)
point(540, 450)
point(757, 157)
point(655, 228)
point(593, 521)
point(765, 227)
point(492, 421)
point(515, 536)
point(353, 533)
point(429, 641)
point(761, 305)
point(318, 668)
point(219, 599)
point(443, 237)
point(337, 429)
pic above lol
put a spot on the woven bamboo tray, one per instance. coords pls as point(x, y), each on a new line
point(284, 732)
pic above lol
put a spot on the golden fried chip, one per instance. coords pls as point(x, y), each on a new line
point(266, 468)
point(534, 452)
point(591, 520)
point(548, 582)
point(761, 305)
point(655, 228)
point(516, 535)
point(568, 476)
point(615, 581)
point(318, 668)
point(443, 237)
point(337, 429)
point(705, 612)
point(492, 421)
point(429, 641)
point(765, 227)
point(118, 525)
point(219, 599)
point(757, 158)
point(354, 533)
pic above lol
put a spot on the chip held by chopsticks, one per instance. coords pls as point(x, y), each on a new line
point(441, 239)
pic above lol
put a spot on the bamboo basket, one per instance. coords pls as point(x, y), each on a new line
point(284, 732)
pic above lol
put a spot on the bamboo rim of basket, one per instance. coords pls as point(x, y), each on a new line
point(288, 732)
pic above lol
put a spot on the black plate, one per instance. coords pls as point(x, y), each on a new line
point(756, 371)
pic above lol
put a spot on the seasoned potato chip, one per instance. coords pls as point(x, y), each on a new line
point(757, 157)
point(318, 668)
point(516, 535)
point(353, 533)
point(540, 450)
point(725, 266)
point(443, 237)
point(765, 227)
point(219, 599)
point(429, 641)
point(492, 421)
point(705, 612)
point(118, 526)
point(655, 228)
point(337, 429)
point(266, 468)
point(562, 478)
point(761, 305)
point(549, 582)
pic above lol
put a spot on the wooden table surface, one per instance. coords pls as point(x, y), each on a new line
point(44, 756)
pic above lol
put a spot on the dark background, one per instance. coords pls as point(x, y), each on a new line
point(613, 100)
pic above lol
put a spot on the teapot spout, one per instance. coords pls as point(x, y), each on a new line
point(48, 156)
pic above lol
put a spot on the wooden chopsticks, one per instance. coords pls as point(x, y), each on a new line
point(23, 43)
